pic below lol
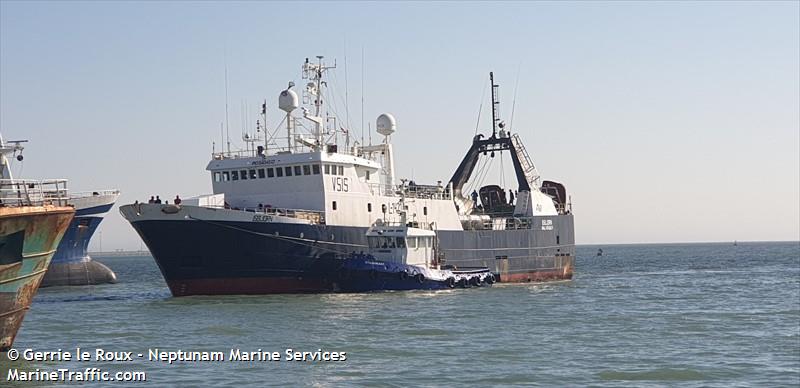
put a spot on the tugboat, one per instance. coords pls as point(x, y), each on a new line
point(71, 264)
point(33, 218)
point(285, 211)
point(405, 256)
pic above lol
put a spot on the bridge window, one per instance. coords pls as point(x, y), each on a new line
point(297, 171)
point(401, 242)
point(261, 173)
point(234, 175)
point(327, 169)
point(270, 172)
point(252, 174)
point(217, 176)
point(341, 170)
point(369, 207)
point(279, 172)
point(226, 176)
point(243, 174)
point(333, 205)
point(425, 210)
point(315, 169)
point(367, 175)
point(288, 170)
point(306, 169)
point(412, 242)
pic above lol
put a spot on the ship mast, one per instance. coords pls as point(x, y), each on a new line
point(314, 73)
point(495, 105)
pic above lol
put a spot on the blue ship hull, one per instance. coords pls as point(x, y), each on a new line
point(362, 273)
point(215, 258)
point(71, 264)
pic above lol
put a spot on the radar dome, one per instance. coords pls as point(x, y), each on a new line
point(288, 100)
point(386, 124)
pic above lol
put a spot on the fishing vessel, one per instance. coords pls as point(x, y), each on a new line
point(71, 264)
point(283, 216)
point(33, 218)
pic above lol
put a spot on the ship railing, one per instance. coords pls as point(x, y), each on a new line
point(315, 216)
point(411, 191)
point(26, 192)
point(84, 194)
point(511, 223)
point(410, 224)
point(298, 149)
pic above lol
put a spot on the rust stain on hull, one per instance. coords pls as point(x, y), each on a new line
point(22, 272)
point(563, 271)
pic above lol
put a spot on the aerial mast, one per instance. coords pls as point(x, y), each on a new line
point(314, 73)
point(495, 105)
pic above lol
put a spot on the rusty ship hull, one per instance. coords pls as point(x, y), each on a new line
point(29, 236)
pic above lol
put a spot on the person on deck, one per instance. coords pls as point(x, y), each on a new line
point(152, 199)
point(177, 200)
point(510, 197)
point(474, 196)
point(158, 199)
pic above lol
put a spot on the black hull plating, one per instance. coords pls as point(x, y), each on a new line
point(200, 257)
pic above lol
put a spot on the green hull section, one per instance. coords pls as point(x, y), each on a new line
point(29, 236)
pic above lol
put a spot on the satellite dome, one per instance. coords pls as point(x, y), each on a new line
point(288, 100)
point(386, 124)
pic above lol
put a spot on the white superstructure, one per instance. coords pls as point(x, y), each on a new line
point(349, 184)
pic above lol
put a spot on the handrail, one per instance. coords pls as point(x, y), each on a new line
point(411, 191)
point(82, 194)
point(313, 215)
point(27, 192)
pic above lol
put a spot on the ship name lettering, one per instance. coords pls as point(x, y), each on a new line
point(262, 218)
point(262, 161)
point(340, 184)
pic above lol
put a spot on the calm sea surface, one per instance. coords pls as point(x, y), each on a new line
point(640, 315)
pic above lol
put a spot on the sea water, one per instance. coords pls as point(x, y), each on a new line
point(639, 315)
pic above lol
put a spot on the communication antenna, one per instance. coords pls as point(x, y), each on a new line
point(264, 123)
point(495, 106)
point(346, 90)
point(362, 100)
point(227, 128)
point(514, 102)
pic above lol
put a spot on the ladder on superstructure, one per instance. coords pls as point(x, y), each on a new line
point(528, 169)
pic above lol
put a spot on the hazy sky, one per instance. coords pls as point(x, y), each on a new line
point(667, 121)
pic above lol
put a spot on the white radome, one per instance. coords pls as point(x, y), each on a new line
point(386, 124)
point(288, 100)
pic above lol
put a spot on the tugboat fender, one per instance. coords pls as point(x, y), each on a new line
point(420, 278)
point(403, 275)
point(451, 282)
